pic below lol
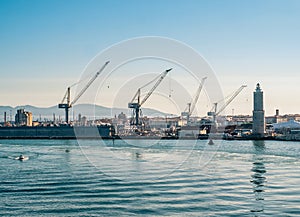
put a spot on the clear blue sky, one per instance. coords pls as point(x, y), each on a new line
point(46, 44)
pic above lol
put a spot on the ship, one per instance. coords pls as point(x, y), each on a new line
point(57, 132)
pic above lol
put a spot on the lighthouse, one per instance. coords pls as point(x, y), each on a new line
point(258, 128)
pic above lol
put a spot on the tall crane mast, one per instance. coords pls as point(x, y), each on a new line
point(136, 106)
point(66, 101)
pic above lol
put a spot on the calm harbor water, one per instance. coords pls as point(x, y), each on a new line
point(171, 178)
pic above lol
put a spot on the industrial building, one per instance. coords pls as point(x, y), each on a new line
point(23, 118)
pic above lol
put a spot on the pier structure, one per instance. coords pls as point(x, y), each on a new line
point(258, 127)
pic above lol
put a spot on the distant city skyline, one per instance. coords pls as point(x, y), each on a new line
point(45, 45)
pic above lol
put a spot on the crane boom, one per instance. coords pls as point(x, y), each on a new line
point(137, 105)
point(193, 104)
point(67, 105)
point(88, 84)
point(231, 99)
point(155, 85)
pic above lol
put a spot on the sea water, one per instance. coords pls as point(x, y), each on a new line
point(152, 178)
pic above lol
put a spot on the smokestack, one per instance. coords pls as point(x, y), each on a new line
point(4, 117)
point(277, 112)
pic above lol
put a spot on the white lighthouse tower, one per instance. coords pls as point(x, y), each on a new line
point(258, 128)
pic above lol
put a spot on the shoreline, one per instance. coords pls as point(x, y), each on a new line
point(131, 138)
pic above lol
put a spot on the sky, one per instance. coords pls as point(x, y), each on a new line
point(45, 45)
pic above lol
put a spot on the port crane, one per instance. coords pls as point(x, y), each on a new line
point(214, 112)
point(66, 102)
point(192, 105)
point(137, 102)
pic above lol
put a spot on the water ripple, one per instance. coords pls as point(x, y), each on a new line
point(242, 179)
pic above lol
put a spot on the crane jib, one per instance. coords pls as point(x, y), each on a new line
point(68, 105)
point(136, 105)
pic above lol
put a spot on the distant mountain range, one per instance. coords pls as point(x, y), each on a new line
point(88, 110)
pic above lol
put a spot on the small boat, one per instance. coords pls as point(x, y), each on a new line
point(22, 158)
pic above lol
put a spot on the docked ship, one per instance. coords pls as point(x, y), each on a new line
point(57, 132)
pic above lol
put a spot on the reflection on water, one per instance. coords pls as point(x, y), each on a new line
point(213, 181)
point(258, 178)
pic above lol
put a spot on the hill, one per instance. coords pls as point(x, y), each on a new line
point(88, 110)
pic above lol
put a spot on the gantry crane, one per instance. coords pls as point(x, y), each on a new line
point(136, 101)
point(214, 112)
point(66, 101)
point(192, 105)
